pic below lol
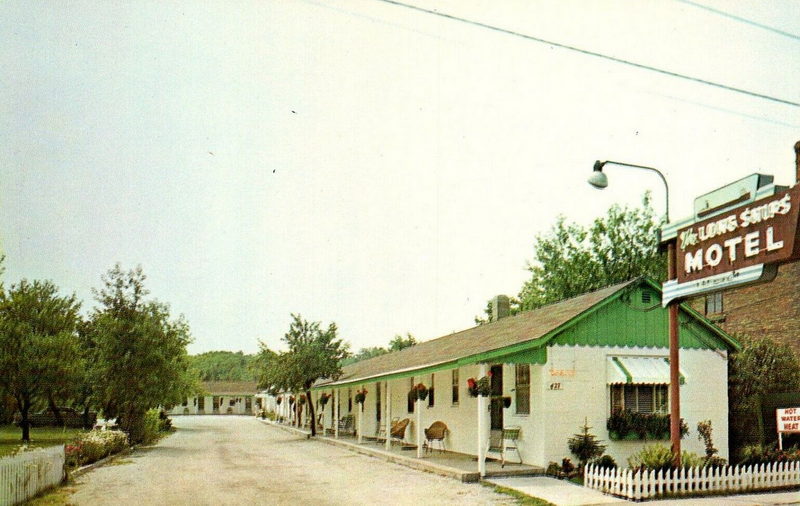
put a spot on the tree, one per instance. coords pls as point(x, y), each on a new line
point(399, 342)
point(585, 446)
point(571, 259)
point(223, 366)
point(139, 352)
point(312, 354)
point(39, 349)
point(763, 366)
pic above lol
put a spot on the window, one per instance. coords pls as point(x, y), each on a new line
point(647, 297)
point(714, 303)
point(430, 394)
point(410, 400)
point(455, 386)
point(640, 398)
point(522, 388)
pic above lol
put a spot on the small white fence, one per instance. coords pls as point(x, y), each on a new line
point(25, 475)
point(696, 480)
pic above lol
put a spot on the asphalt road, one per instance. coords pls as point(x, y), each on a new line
point(238, 460)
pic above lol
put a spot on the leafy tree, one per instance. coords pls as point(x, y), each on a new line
point(763, 366)
point(399, 342)
point(313, 353)
point(38, 344)
point(140, 353)
point(571, 259)
point(223, 366)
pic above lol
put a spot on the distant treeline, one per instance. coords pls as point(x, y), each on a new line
point(223, 366)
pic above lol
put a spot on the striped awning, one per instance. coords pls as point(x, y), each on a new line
point(639, 370)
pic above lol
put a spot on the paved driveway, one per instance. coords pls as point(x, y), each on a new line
point(238, 460)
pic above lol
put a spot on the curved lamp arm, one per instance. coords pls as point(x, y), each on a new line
point(599, 180)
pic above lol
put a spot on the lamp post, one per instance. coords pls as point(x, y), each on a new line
point(599, 180)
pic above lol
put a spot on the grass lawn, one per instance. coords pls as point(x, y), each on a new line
point(10, 437)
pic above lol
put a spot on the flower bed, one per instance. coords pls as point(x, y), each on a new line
point(95, 445)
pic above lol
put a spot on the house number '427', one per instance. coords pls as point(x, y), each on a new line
point(555, 386)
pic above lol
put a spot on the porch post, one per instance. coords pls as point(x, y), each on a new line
point(360, 414)
point(482, 425)
point(388, 412)
point(418, 410)
point(336, 416)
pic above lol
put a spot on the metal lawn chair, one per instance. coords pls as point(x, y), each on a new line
point(509, 444)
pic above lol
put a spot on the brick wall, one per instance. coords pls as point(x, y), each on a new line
point(770, 309)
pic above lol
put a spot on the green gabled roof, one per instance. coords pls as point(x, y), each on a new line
point(524, 337)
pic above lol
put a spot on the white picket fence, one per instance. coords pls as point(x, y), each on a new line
point(646, 484)
point(24, 475)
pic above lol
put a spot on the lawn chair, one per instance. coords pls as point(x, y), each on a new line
point(398, 431)
point(509, 444)
point(436, 432)
point(347, 424)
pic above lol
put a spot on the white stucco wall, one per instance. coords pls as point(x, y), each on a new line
point(557, 412)
point(192, 405)
point(586, 394)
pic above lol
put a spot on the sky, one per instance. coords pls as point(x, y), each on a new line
point(361, 162)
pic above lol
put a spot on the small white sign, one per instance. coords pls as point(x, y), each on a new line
point(788, 419)
point(788, 422)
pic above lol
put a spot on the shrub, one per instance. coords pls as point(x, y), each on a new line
point(760, 454)
point(152, 424)
point(606, 462)
point(655, 457)
point(94, 445)
point(626, 424)
point(691, 459)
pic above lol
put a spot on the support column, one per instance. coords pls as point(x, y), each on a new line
point(418, 409)
point(482, 425)
point(388, 412)
point(360, 414)
point(336, 415)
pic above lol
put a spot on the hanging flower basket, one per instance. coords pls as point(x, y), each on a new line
point(301, 400)
point(324, 398)
point(361, 396)
point(279, 400)
point(418, 392)
point(506, 402)
point(291, 400)
point(484, 387)
point(472, 387)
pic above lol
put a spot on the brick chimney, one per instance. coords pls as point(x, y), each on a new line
point(797, 162)
point(500, 307)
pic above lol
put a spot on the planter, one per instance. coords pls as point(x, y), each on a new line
point(506, 402)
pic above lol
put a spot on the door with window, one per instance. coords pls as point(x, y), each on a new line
point(496, 405)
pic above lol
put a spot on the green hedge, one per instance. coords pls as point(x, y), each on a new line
point(626, 425)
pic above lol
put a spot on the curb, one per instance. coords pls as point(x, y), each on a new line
point(101, 462)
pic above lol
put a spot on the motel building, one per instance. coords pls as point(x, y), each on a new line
point(220, 398)
point(548, 370)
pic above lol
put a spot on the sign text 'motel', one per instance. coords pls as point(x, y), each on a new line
point(761, 232)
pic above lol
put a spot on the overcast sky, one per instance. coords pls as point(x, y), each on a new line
point(358, 161)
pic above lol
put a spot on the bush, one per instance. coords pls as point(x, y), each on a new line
point(626, 424)
point(605, 462)
point(760, 454)
point(94, 445)
point(152, 426)
point(655, 457)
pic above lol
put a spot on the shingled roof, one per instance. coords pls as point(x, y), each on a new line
point(506, 332)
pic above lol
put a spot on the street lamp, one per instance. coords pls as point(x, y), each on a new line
point(599, 180)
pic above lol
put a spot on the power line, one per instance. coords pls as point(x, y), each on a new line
point(740, 19)
point(593, 53)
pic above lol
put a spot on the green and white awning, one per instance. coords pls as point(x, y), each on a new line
point(639, 370)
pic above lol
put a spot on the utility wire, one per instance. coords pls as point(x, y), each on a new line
point(740, 19)
point(593, 53)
